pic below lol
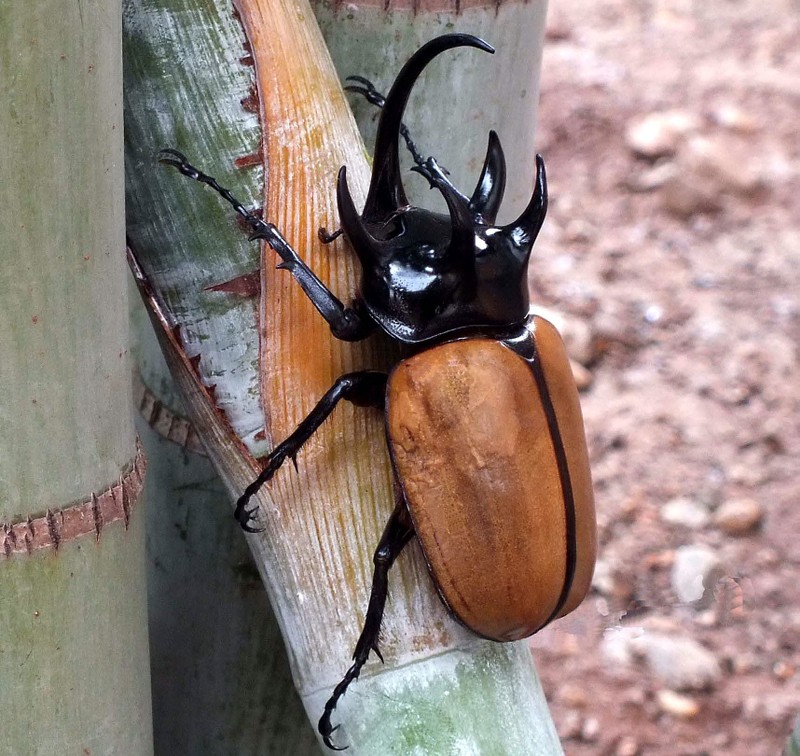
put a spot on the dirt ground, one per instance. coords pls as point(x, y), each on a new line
point(673, 245)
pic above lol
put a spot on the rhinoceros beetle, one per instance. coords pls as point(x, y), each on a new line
point(483, 421)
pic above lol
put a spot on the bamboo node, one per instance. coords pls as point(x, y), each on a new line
point(91, 515)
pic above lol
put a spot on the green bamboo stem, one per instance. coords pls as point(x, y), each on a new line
point(221, 680)
point(73, 633)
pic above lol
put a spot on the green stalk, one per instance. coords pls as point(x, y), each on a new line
point(221, 680)
point(74, 674)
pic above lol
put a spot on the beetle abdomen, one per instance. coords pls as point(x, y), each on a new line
point(496, 479)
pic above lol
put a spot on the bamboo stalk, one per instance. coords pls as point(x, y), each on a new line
point(221, 680)
point(73, 633)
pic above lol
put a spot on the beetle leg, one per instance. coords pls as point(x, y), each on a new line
point(396, 535)
point(366, 388)
point(326, 237)
point(347, 323)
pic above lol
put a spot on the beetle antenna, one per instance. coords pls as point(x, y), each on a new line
point(367, 90)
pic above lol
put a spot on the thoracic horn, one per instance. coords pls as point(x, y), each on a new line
point(462, 223)
point(386, 193)
point(488, 194)
point(364, 243)
point(525, 229)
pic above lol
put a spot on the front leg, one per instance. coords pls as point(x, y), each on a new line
point(347, 323)
point(364, 388)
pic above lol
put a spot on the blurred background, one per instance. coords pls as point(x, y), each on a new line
point(672, 249)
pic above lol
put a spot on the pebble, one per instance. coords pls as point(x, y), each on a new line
point(695, 572)
point(686, 512)
point(732, 117)
point(677, 704)
point(660, 134)
point(577, 334)
point(603, 578)
point(739, 517)
point(627, 747)
point(708, 168)
point(573, 695)
point(582, 376)
point(681, 663)
point(590, 730)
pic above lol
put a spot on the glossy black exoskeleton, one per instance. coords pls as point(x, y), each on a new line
point(426, 277)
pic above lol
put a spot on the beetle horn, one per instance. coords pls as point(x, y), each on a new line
point(525, 229)
point(488, 194)
point(363, 242)
point(462, 224)
point(386, 193)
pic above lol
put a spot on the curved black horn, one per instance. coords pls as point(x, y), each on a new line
point(364, 243)
point(488, 194)
point(525, 229)
point(386, 191)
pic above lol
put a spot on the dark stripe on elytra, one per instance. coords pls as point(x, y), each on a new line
point(563, 474)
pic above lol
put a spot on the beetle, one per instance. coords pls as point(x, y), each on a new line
point(483, 420)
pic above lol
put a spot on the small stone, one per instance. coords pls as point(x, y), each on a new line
point(579, 230)
point(678, 705)
point(744, 663)
point(573, 695)
point(783, 670)
point(627, 747)
point(590, 730)
point(570, 725)
point(659, 134)
point(681, 663)
point(695, 572)
point(654, 177)
point(617, 645)
point(582, 376)
point(684, 196)
point(732, 117)
point(577, 334)
point(603, 578)
point(739, 517)
point(686, 512)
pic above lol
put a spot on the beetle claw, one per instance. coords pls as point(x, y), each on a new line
point(244, 516)
point(326, 731)
point(178, 160)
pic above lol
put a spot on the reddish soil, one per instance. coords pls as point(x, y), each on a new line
point(685, 265)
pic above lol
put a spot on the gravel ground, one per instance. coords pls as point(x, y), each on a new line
point(672, 249)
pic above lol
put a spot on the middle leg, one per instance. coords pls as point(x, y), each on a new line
point(364, 388)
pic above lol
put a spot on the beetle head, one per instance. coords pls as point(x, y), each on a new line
point(424, 273)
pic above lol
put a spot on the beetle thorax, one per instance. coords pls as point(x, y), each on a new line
point(426, 274)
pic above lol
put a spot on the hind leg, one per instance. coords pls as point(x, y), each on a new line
point(395, 536)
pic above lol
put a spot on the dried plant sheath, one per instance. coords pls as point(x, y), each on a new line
point(335, 509)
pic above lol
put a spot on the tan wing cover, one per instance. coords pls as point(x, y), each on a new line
point(472, 447)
